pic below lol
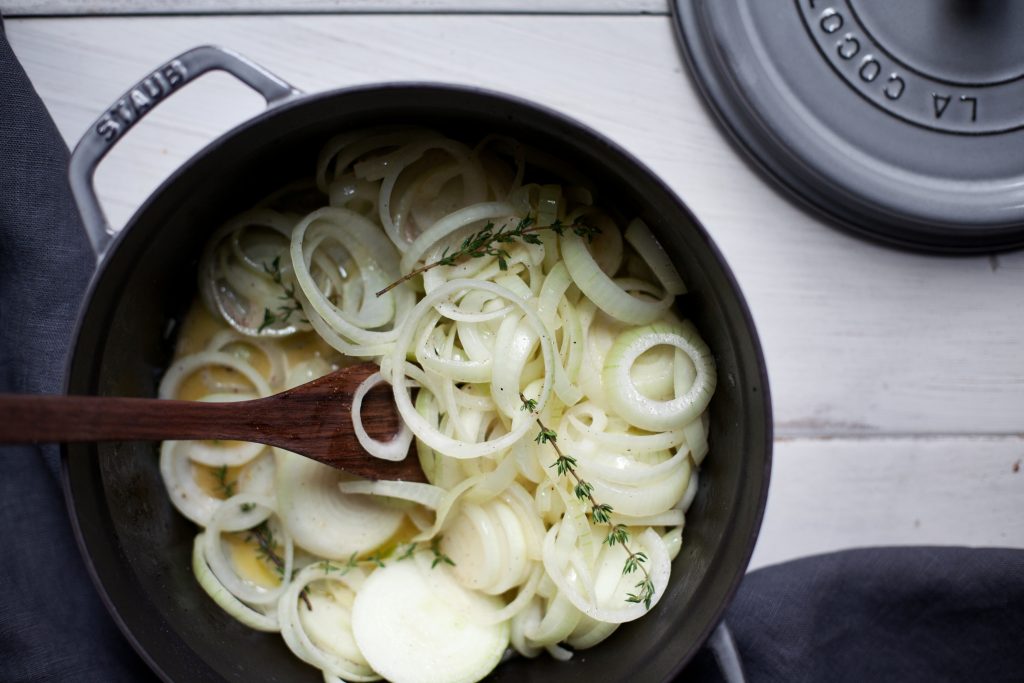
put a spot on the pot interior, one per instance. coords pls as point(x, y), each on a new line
point(139, 547)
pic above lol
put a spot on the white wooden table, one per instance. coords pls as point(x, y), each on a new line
point(898, 380)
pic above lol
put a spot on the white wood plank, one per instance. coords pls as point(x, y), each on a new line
point(860, 340)
point(28, 8)
point(832, 494)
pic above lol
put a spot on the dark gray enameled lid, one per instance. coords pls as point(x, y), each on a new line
point(902, 120)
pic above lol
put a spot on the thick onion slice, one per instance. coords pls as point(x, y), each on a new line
point(603, 290)
point(427, 495)
point(317, 627)
point(226, 517)
point(208, 581)
point(589, 632)
point(180, 370)
point(647, 413)
point(489, 544)
point(191, 500)
point(394, 450)
point(605, 599)
point(377, 266)
point(238, 284)
point(321, 518)
point(444, 639)
point(453, 222)
point(639, 235)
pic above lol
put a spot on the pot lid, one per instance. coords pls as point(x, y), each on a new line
point(902, 121)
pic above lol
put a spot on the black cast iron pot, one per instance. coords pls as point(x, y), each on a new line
point(137, 546)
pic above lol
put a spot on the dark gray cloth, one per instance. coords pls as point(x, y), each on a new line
point(922, 614)
point(52, 624)
point(881, 614)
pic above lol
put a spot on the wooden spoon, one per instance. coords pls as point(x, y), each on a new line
point(314, 420)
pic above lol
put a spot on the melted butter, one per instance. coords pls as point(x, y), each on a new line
point(245, 556)
point(206, 478)
point(251, 355)
point(304, 346)
point(197, 329)
point(200, 326)
point(396, 545)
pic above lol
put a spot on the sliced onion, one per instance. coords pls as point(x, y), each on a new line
point(639, 235)
point(589, 632)
point(180, 370)
point(426, 495)
point(321, 518)
point(644, 412)
point(331, 646)
point(246, 614)
point(450, 224)
point(226, 517)
point(609, 603)
point(395, 449)
point(602, 289)
point(376, 262)
point(178, 473)
point(428, 432)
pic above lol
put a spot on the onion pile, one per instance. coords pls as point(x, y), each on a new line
point(557, 401)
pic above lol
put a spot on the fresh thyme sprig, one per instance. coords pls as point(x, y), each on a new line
point(376, 559)
point(439, 557)
point(264, 539)
point(600, 513)
point(634, 562)
point(435, 547)
point(223, 485)
point(282, 313)
point(351, 564)
point(353, 561)
point(566, 466)
point(263, 536)
point(483, 243)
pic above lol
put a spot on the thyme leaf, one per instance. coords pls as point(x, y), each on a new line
point(282, 313)
point(545, 435)
point(644, 594)
point(618, 534)
point(263, 536)
point(266, 544)
point(439, 557)
point(223, 485)
point(435, 547)
point(602, 514)
point(482, 243)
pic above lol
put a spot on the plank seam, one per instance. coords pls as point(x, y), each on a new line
point(902, 436)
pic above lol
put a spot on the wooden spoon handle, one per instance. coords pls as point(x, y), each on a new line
point(100, 418)
point(313, 420)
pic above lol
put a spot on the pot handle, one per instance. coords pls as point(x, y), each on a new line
point(131, 107)
point(726, 655)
